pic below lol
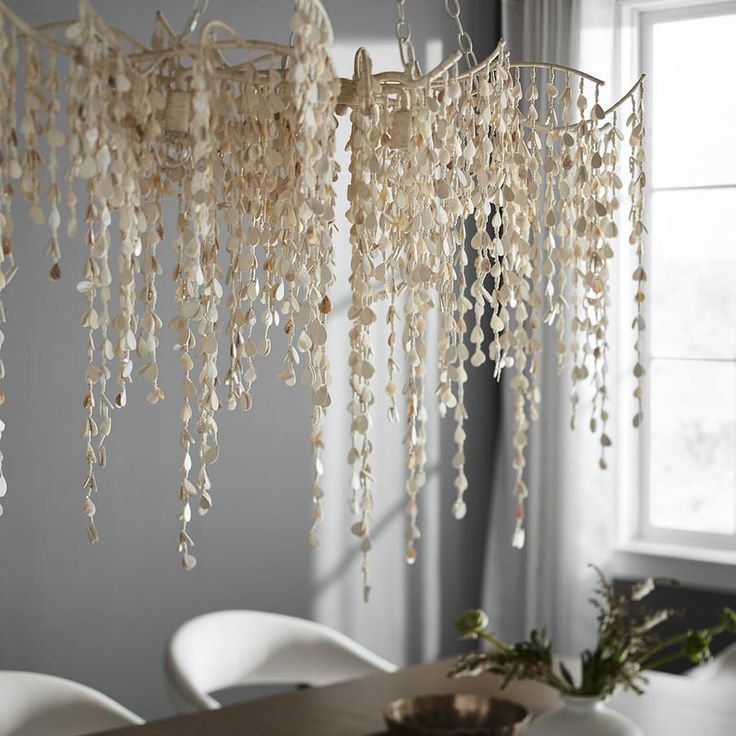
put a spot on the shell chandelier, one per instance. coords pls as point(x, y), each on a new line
point(483, 197)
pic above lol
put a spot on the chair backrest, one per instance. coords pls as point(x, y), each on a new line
point(33, 704)
point(235, 648)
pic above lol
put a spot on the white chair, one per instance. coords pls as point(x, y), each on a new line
point(228, 649)
point(32, 704)
point(722, 667)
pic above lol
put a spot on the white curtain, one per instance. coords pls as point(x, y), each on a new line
point(571, 506)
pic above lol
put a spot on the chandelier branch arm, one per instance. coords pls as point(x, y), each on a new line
point(27, 30)
point(163, 21)
point(639, 82)
point(541, 127)
point(230, 44)
point(556, 67)
point(392, 82)
point(47, 28)
point(144, 54)
point(430, 76)
point(493, 57)
point(262, 59)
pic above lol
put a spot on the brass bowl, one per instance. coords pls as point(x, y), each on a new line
point(459, 715)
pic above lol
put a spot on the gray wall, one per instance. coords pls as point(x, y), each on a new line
point(101, 614)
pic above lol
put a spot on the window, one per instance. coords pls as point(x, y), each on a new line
point(686, 469)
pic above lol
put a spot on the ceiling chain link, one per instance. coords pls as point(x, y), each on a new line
point(403, 35)
point(464, 41)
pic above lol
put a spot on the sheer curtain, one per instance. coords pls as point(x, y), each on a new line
point(572, 505)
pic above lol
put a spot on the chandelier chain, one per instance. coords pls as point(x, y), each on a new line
point(464, 41)
point(199, 8)
point(403, 35)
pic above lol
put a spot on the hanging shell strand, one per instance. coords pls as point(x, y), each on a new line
point(535, 168)
point(9, 171)
point(145, 127)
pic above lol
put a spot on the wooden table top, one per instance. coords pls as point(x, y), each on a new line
point(673, 706)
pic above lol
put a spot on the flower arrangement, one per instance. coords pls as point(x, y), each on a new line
point(628, 645)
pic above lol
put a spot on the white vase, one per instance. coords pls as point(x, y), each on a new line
point(583, 716)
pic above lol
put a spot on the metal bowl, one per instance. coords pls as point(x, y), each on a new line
point(459, 715)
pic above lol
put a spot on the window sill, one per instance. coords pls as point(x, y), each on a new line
point(694, 566)
point(719, 556)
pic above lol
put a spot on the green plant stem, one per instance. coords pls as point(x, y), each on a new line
point(548, 678)
point(491, 638)
point(664, 644)
point(670, 642)
point(553, 680)
point(666, 659)
point(559, 684)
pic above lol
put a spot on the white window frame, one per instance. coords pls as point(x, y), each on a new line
point(637, 541)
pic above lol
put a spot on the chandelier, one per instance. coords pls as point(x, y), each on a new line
point(484, 196)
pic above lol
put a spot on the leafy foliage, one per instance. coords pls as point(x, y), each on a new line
point(628, 645)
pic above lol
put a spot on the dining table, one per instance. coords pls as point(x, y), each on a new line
point(673, 705)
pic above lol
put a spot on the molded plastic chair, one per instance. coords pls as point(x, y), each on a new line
point(32, 704)
point(722, 667)
point(227, 649)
